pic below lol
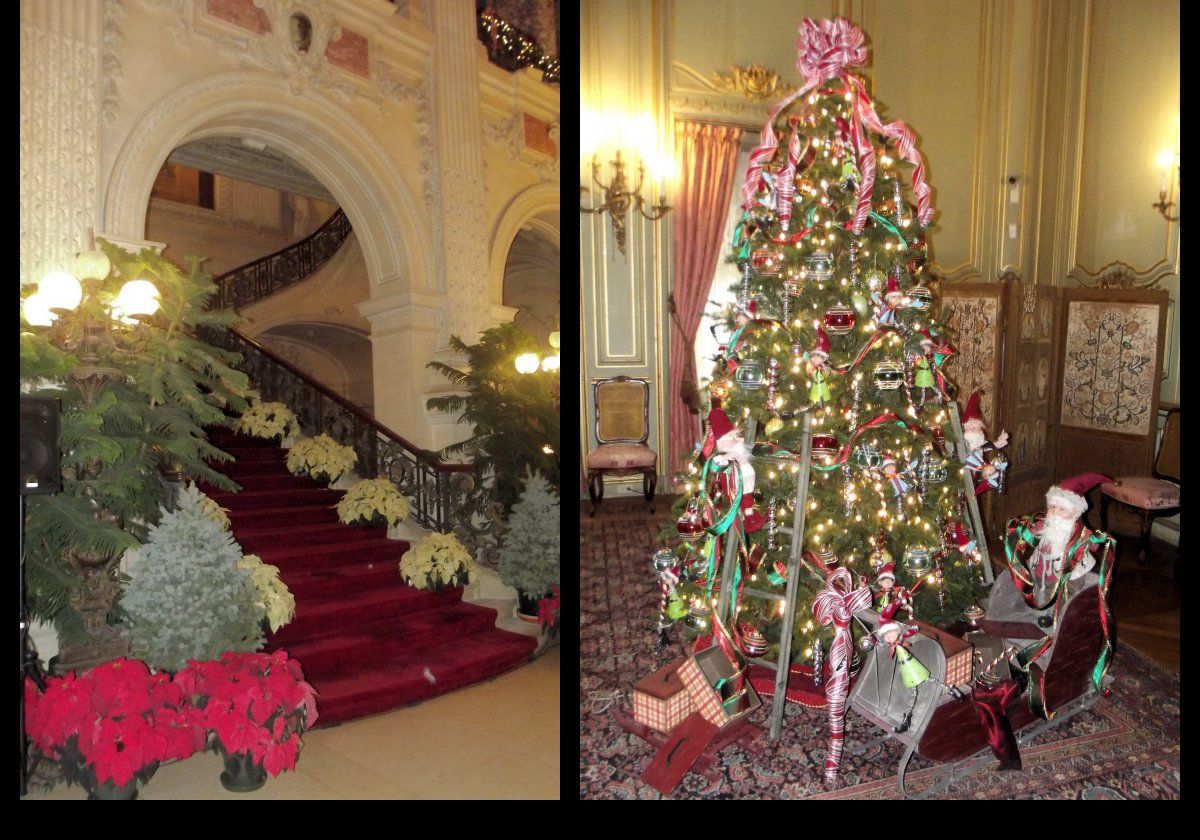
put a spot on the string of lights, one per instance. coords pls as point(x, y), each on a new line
point(512, 49)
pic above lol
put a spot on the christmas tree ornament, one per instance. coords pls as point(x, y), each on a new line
point(754, 558)
point(824, 448)
point(860, 303)
point(772, 382)
point(767, 261)
point(933, 470)
point(973, 615)
point(847, 489)
point(664, 565)
point(819, 265)
point(773, 426)
point(696, 621)
point(676, 607)
point(849, 177)
point(867, 455)
point(793, 284)
point(691, 523)
point(818, 663)
point(918, 560)
point(717, 392)
point(771, 525)
point(916, 262)
point(839, 319)
point(754, 643)
point(880, 556)
point(749, 374)
point(828, 559)
point(919, 297)
point(876, 280)
point(888, 376)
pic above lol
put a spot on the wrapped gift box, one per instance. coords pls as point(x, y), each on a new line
point(960, 655)
point(702, 672)
point(660, 701)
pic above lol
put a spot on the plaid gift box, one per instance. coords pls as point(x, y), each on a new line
point(960, 655)
point(700, 674)
point(660, 701)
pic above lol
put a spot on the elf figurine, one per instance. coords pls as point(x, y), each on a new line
point(726, 446)
point(928, 368)
point(889, 594)
point(899, 479)
point(887, 304)
point(817, 359)
point(912, 672)
point(984, 458)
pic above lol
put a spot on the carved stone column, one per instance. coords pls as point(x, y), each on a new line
point(61, 90)
point(462, 228)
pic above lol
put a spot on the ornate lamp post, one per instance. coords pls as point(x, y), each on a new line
point(78, 320)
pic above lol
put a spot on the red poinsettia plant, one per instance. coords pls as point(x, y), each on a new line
point(112, 723)
point(548, 611)
point(256, 703)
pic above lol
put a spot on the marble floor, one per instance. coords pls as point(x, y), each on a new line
point(495, 740)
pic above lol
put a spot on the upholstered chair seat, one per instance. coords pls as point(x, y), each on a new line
point(1143, 492)
point(617, 456)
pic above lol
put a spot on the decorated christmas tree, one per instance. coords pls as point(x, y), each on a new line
point(836, 322)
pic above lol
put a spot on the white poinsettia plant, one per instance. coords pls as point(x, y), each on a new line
point(437, 561)
point(267, 420)
point(213, 510)
point(373, 498)
point(320, 457)
point(274, 596)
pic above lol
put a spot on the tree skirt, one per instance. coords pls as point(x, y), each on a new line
point(1125, 747)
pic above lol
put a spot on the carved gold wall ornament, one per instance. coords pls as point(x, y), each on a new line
point(755, 82)
point(1119, 275)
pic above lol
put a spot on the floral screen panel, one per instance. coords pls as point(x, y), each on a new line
point(976, 322)
point(1035, 350)
point(1109, 366)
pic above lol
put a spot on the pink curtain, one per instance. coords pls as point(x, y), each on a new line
point(707, 156)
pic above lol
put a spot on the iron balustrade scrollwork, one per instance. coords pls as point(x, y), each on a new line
point(286, 267)
point(445, 497)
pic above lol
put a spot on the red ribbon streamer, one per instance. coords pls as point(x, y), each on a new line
point(991, 705)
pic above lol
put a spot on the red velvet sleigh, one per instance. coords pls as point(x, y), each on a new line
point(948, 731)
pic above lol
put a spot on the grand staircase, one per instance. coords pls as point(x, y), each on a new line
point(367, 642)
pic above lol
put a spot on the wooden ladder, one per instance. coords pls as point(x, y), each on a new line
point(794, 567)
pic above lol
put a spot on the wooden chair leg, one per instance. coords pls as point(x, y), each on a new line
point(1144, 542)
point(595, 490)
point(649, 480)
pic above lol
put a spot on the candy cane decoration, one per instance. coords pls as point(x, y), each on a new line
point(835, 604)
point(785, 186)
point(866, 165)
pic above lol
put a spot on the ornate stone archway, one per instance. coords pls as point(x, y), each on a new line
point(315, 131)
point(524, 209)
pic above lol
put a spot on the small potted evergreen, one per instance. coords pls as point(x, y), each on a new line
point(529, 559)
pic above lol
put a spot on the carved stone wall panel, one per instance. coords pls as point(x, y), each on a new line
point(1109, 366)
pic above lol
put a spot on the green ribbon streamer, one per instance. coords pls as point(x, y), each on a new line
point(881, 220)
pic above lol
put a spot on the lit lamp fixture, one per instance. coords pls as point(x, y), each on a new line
point(619, 199)
point(60, 294)
point(1169, 161)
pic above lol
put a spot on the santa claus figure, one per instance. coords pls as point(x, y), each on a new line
point(984, 458)
point(727, 447)
point(887, 304)
point(1062, 540)
point(957, 537)
point(818, 357)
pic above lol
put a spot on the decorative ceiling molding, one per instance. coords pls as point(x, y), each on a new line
point(693, 94)
point(756, 82)
point(1119, 275)
point(234, 157)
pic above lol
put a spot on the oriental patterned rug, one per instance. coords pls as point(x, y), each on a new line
point(1124, 747)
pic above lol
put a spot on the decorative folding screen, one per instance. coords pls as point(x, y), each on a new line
point(976, 312)
point(1107, 400)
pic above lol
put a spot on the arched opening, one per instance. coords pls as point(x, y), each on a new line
point(336, 356)
point(532, 280)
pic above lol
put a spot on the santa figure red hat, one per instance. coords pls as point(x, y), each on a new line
point(972, 412)
point(718, 427)
point(1070, 494)
point(893, 287)
point(888, 570)
point(926, 338)
point(887, 458)
point(959, 536)
point(726, 441)
point(822, 345)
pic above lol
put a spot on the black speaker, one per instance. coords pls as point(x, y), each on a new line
point(40, 471)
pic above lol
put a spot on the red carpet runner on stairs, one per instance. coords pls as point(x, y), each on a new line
point(368, 642)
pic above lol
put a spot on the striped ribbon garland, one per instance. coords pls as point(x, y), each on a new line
point(835, 604)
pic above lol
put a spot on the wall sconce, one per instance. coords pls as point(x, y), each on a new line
point(618, 198)
point(1169, 162)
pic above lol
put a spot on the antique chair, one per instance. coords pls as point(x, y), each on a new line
point(622, 429)
point(1154, 495)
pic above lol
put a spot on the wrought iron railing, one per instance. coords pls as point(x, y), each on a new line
point(445, 497)
point(286, 267)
